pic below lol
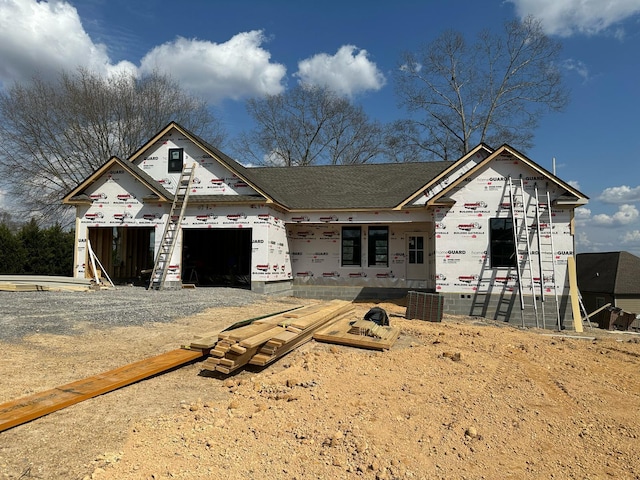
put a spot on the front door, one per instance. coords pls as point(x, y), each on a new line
point(416, 256)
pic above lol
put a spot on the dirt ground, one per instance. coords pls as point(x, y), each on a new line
point(465, 399)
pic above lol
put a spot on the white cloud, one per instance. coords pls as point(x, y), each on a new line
point(578, 67)
point(234, 69)
point(625, 215)
point(582, 240)
point(631, 237)
point(45, 38)
point(582, 213)
point(621, 194)
point(568, 17)
point(347, 73)
point(575, 184)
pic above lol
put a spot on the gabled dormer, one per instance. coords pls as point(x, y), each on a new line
point(97, 187)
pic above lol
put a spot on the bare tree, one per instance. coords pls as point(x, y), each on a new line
point(308, 125)
point(56, 133)
point(492, 91)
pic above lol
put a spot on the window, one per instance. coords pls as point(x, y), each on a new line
point(351, 246)
point(502, 250)
point(416, 249)
point(175, 160)
point(378, 246)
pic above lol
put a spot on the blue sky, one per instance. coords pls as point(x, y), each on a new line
point(228, 50)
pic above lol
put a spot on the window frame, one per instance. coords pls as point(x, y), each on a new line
point(172, 163)
point(502, 248)
point(377, 246)
point(416, 253)
point(351, 242)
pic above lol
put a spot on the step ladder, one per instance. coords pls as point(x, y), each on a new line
point(172, 228)
point(522, 243)
point(546, 255)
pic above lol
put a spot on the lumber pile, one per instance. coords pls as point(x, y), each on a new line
point(269, 338)
point(37, 283)
point(361, 333)
point(22, 287)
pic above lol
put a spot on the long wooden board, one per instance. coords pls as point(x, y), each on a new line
point(35, 406)
point(573, 293)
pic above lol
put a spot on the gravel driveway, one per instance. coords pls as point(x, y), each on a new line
point(25, 313)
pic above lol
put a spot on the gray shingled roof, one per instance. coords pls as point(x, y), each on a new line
point(378, 185)
point(319, 187)
point(611, 272)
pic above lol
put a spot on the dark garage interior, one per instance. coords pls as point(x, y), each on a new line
point(217, 257)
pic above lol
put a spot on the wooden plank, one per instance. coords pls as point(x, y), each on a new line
point(284, 337)
point(286, 318)
point(261, 338)
point(335, 307)
point(243, 332)
point(338, 333)
point(573, 293)
point(226, 362)
point(304, 311)
point(237, 348)
point(44, 280)
point(205, 340)
point(262, 358)
point(210, 363)
point(237, 361)
point(34, 406)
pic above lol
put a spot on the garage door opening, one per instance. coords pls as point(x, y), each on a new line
point(124, 252)
point(217, 257)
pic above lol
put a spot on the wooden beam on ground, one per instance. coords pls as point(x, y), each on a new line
point(35, 406)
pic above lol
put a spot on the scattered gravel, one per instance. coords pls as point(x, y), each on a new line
point(25, 313)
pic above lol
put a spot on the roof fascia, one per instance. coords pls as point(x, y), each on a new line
point(446, 172)
point(558, 181)
point(581, 198)
point(90, 179)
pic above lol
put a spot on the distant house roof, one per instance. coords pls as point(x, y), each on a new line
point(615, 273)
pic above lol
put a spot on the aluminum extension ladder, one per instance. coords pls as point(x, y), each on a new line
point(172, 228)
point(522, 244)
point(546, 255)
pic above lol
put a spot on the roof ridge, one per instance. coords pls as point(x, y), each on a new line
point(342, 165)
